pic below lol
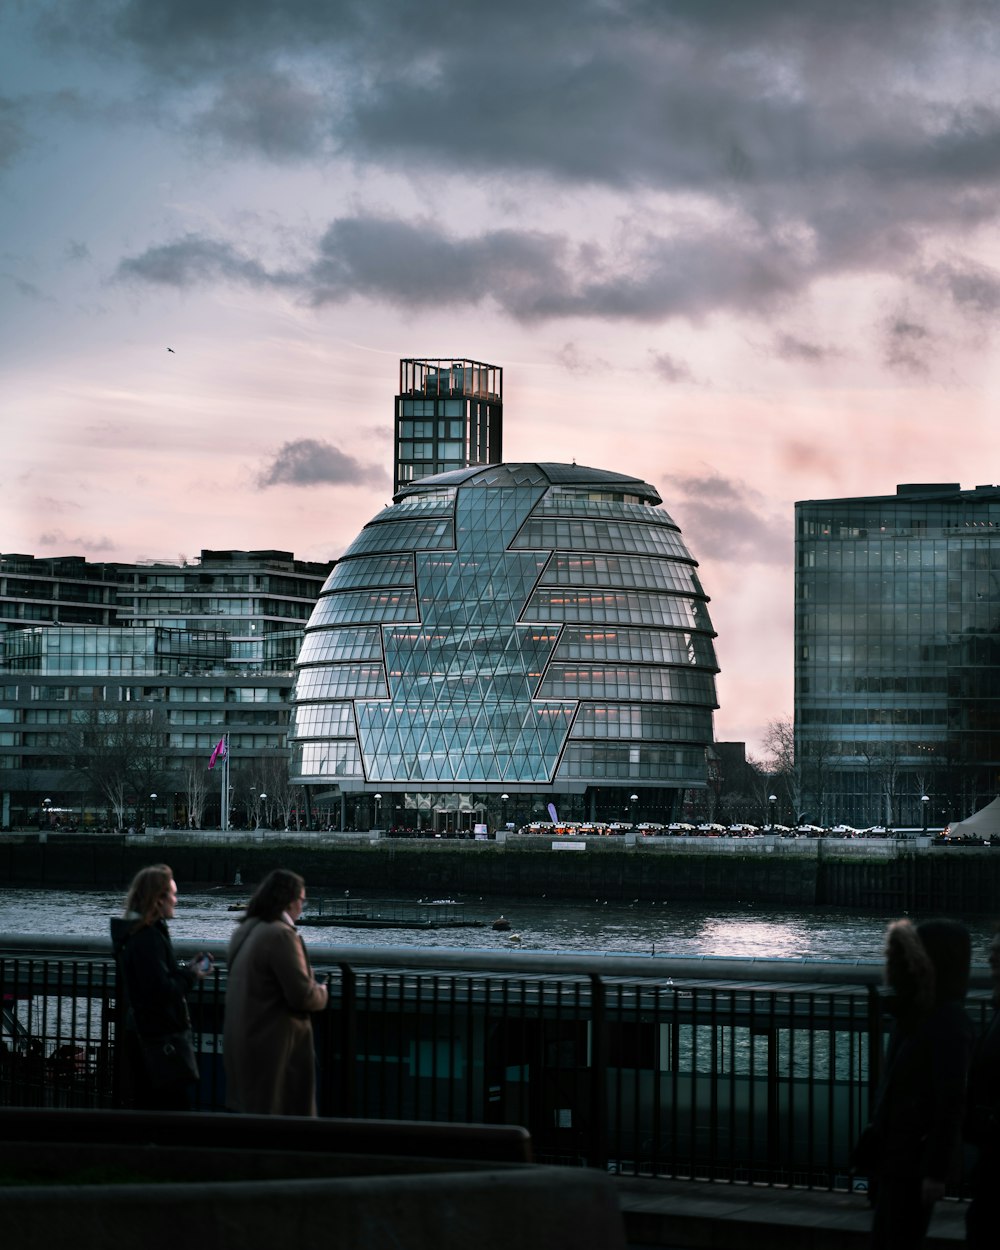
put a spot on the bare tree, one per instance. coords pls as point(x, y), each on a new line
point(276, 784)
point(117, 753)
point(196, 786)
point(781, 763)
point(884, 762)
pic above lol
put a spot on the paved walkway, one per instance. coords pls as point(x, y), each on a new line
point(675, 1215)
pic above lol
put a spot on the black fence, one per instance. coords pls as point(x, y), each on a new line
point(739, 1070)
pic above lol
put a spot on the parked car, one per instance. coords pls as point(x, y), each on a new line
point(844, 831)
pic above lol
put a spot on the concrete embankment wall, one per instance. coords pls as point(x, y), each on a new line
point(883, 878)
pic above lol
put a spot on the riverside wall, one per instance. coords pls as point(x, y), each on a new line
point(880, 877)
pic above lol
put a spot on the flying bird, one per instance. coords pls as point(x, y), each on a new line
point(170, 349)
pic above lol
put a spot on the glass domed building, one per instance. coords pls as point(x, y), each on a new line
point(503, 638)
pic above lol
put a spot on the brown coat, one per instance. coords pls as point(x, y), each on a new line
point(267, 1038)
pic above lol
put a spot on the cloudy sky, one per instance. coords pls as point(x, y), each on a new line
point(747, 249)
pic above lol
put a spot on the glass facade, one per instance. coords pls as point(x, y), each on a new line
point(77, 651)
point(208, 646)
point(544, 630)
point(259, 599)
point(897, 655)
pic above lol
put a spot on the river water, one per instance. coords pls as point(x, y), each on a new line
point(640, 928)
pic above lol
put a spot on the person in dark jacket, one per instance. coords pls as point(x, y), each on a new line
point(982, 1124)
point(919, 1108)
point(154, 984)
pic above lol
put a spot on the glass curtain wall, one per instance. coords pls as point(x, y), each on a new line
point(532, 630)
point(897, 655)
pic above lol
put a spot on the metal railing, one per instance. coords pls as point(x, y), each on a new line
point(725, 1069)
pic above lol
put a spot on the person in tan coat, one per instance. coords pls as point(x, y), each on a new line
point(270, 993)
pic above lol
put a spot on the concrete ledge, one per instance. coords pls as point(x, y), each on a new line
point(704, 1215)
point(98, 1178)
point(525, 1206)
point(271, 1135)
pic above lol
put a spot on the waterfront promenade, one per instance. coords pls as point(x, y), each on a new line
point(646, 1071)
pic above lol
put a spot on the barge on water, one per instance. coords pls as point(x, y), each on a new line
point(356, 913)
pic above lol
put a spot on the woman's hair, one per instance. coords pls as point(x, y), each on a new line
point(274, 894)
point(908, 968)
point(927, 963)
point(148, 886)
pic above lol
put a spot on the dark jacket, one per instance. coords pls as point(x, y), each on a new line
point(154, 984)
point(982, 1119)
point(921, 1098)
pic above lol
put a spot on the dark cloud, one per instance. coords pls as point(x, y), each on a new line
point(56, 506)
point(311, 462)
point(800, 457)
point(730, 520)
point(791, 347)
point(76, 251)
point(974, 288)
point(421, 266)
point(576, 360)
point(27, 289)
point(669, 368)
point(907, 345)
point(815, 139)
point(13, 131)
point(267, 113)
point(530, 275)
point(193, 260)
point(673, 95)
point(73, 545)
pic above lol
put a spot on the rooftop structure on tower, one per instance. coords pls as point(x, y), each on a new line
point(449, 415)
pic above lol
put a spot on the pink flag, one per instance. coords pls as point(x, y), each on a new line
point(219, 753)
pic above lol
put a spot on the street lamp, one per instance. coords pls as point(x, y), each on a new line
point(263, 799)
point(152, 807)
point(378, 808)
point(633, 799)
point(925, 801)
point(503, 809)
point(772, 803)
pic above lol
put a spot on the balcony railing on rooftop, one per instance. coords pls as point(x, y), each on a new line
point(723, 1069)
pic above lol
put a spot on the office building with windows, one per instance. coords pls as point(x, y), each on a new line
point(191, 651)
point(449, 415)
point(897, 655)
point(503, 638)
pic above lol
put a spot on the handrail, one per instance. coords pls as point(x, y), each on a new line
point(710, 968)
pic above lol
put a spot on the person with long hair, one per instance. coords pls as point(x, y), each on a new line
point(154, 986)
point(917, 1122)
point(270, 994)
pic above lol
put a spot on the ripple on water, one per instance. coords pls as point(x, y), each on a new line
point(637, 928)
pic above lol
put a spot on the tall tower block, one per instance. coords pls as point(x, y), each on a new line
point(449, 415)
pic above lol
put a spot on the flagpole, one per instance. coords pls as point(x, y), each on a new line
point(225, 788)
